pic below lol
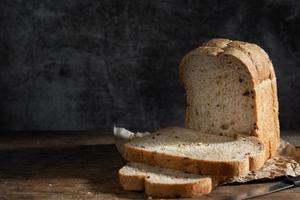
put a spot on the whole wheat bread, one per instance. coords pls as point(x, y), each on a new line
point(197, 152)
point(163, 183)
point(231, 87)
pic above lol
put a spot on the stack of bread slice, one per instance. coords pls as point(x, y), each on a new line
point(231, 124)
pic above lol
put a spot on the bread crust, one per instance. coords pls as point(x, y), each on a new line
point(257, 63)
point(165, 190)
point(185, 164)
point(175, 190)
point(132, 182)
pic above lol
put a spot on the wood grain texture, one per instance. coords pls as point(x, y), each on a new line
point(80, 165)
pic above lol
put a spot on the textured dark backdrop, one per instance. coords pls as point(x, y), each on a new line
point(92, 64)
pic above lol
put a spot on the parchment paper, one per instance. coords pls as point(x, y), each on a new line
point(285, 163)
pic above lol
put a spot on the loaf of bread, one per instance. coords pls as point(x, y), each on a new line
point(231, 123)
point(196, 152)
point(163, 183)
point(231, 87)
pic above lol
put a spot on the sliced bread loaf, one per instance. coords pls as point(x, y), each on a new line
point(231, 87)
point(199, 153)
point(163, 183)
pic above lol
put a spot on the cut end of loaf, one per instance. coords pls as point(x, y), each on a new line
point(231, 87)
point(220, 95)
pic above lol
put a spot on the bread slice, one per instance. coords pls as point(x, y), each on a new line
point(163, 183)
point(231, 87)
point(198, 153)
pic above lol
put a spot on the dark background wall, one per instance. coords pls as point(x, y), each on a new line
point(92, 64)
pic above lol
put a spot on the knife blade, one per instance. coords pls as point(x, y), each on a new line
point(286, 183)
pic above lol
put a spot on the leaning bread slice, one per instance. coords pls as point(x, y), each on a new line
point(231, 87)
point(198, 153)
point(163, 183)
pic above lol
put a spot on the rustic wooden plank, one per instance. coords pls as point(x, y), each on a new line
point(82, 165)
point(41, 139)
point(66, 171)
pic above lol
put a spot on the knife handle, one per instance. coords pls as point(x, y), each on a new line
point(294, 180)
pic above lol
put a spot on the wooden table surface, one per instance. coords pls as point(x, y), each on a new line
point(79, 165)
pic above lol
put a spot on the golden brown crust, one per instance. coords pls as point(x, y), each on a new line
point(132, 182)
point(276, 142)
point(254, 58)
point(260, 68)
point(160, 190)
point(204, 167)
point(258, 161)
